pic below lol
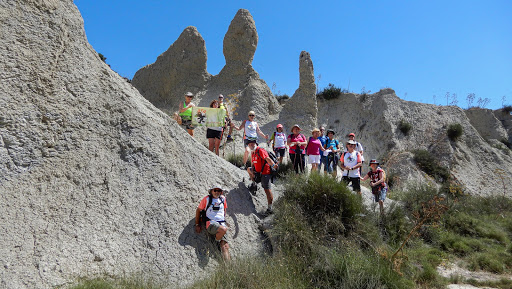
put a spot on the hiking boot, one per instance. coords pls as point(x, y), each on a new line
point(269, 211)
point(229, 139)
point(243, 168)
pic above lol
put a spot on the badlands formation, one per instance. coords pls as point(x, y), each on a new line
point(97, 179)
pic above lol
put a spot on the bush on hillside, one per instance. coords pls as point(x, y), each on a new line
point(330, 92)
point(507, 109)
point(454, 131)
point(427, 163)
point(404, 127)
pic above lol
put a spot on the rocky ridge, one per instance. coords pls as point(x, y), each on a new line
point(165, 81)
point(95, 179)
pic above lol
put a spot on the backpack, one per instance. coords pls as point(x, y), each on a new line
point(202, 215)
point(272, 156)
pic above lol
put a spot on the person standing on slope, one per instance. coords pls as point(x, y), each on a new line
point(185, 112)
point(251, 131)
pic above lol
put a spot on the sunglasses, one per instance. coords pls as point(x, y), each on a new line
point(221, 97)
point(251, 115)
point(217, 190)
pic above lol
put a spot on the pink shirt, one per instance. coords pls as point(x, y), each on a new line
point(297, 138)
point(314, 147)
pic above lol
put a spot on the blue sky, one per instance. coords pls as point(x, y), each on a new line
point(418, 48)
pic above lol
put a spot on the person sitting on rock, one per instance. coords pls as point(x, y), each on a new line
point(333, 147)
point(251, 131)
point(215, 206)
point(260, 171)
point(278, 140)
point(350, 161)
point(297, 143)
point(377, 178)
point(359, 148)
point(185, 112)
point(314, 149)
point(228, 119)
point(214, 134)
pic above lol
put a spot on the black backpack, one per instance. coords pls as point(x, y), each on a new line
point(272, 156)
point(202, 216)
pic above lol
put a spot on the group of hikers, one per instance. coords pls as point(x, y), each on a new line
point(320, 149)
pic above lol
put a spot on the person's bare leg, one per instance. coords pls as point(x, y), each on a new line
point(210, 144)
point(190, 132)
point(224, 249)
point(270, 196)
point(217, 145)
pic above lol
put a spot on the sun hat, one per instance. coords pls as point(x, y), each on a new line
point(330, 131)
point(374, 161)
point(216, 186)
point(313, 131)
point(189, 94)
point(221, 96)
point(351, 142)
point(279, 126)
point(352, 134)
point(296, 126)
point(252, 141)
point(251, 112)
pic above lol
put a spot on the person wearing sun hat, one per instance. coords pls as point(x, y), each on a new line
point(350, 162)
point(278, 140)
point(359, 148)
point(377, 178)
point(332, 147)
point(251, 132)
point(297, 143)
point(215, 207)
point(185, 112)
point(313, 149)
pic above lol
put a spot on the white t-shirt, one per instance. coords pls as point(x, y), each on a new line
point(351, 160)
point(359, 148)
point(279, 140)
point(250, 129)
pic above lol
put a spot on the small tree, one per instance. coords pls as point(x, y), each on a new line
point(330, 92)
point(102, 57)
point(454, 131)
point(404, 127)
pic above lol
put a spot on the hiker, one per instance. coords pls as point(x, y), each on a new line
point(260, 170)
point(251, 131)
point(297, 143)
point(313, 149)
point(359, 148)
point(350, 162)
point(214, 134)
point(278, 140)
point(185, 112)
point(323, 158)
point(378, 183)
point(332, 147)
point(228, 119)
point(215, 206)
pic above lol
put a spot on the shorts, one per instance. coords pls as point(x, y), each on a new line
point(187, 124)
point(381, 195)
point(314, 159)
point(246, 141)
point(356, 183)
point(265, 181)
point(280, 152)
point(211, 133)
point(214, 227)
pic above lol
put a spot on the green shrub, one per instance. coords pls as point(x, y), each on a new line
point(404, 127)
point(507, 109)
point(487, 262)
point(395, 224)
point(330, 92)
point(427, 163)
point(454, 131)
point(136, 282)
point(236, 159)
